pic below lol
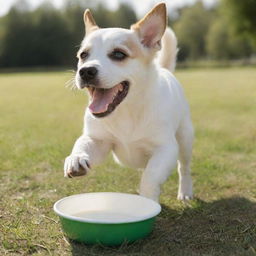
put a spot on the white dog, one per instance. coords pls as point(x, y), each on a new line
point(137, 108)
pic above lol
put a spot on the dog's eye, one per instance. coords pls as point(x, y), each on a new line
point(84, 55)
point(118, 55)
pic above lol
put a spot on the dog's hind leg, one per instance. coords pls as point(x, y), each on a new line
point(158, 169)
point(185, 136)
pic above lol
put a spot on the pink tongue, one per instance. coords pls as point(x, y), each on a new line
point(101, 98)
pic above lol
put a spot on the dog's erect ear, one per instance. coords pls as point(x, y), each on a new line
point(90, 24)
point(151, 28)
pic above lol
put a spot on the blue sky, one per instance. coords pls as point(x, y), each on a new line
point(140, 6)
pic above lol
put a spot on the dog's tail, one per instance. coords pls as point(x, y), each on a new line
point(167, 55)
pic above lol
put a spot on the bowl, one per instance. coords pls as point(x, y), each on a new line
point(106, 218)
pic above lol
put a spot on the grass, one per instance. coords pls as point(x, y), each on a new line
point(40, 120)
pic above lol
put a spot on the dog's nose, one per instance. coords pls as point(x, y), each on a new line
point(88, 74)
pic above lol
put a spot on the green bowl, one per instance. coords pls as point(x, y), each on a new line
point(107, 218)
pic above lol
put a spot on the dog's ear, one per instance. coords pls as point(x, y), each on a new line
point(151, 28)
point(90, 24)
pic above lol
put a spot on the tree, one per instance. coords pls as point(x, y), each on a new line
point(49, 37)
point(242, 16)
point(124, 17)
point(18, 40)
point(223, 44)
point(38, 38)
point(191, 29)
point(217, 41)
point(73, 15)
point(52, 39)
point(223, 40)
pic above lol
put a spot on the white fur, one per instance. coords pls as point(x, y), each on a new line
point(167, 57)
point(151, 128)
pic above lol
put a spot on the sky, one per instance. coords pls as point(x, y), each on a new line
point(140, 6)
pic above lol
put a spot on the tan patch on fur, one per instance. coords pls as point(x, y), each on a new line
point(133, 47)
point(136, 51)
point(90, 24)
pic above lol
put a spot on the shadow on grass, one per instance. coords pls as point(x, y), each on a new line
point(222, 227)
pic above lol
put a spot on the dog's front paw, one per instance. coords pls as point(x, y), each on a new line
point(76, 165)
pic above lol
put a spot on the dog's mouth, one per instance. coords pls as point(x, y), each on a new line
point(104, 101)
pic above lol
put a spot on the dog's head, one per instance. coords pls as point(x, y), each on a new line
point(112, 61)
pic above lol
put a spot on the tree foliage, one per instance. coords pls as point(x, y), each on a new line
point(51, 37)
point(242, 16)
point(191, 30)
point(223, 40)
point(223, 44)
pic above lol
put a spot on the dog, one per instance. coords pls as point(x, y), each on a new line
point(137, 108)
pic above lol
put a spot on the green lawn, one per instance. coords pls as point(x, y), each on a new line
point(40, 120)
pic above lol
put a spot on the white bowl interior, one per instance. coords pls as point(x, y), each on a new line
point(107, 207)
